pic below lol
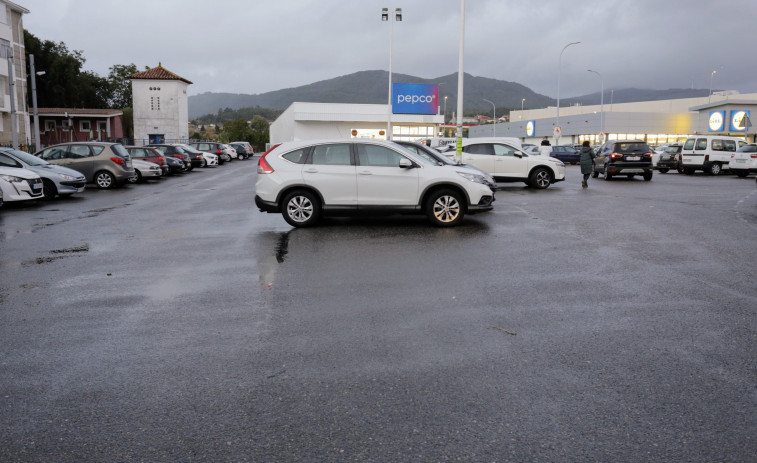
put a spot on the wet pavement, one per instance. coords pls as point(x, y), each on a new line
point(172, 321)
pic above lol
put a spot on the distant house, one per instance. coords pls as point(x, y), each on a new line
point(161, 106)
point(60, 125)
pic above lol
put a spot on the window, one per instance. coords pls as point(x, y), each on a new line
point(7, 161)
point(700, 145)
point(102, 126)
point(729, 145)
point(296, 156)
point(78, 152)
point(338, 155)
point(155, 103)
point(85, 126)
point(380, 156)
point(56, 152)
point(479, 148)
point(503, 150)
point(49, 126)
point(717, 145)
point(97, 149)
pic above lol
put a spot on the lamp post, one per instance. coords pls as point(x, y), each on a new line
point(559, 70)
point(37, 141)
point(445, 109)
point(386, 17)
point(709, 95)
point(521, 108)
point(460, 86)
point(601, 103)
point(494, 115)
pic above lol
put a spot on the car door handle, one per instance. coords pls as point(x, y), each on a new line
point(311, 170)
point(365, 172)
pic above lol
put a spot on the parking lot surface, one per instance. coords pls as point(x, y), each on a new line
point(172, 321)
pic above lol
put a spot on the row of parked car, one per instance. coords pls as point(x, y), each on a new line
point(66, 169)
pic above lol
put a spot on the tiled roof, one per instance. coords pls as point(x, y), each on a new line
point(78, 111)
point(158, 73)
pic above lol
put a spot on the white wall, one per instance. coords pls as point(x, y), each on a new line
point(169, 118)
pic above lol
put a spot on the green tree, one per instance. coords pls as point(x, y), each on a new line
point(236, 130)
point(65, 84)
point(120, 85)
point(260, 133)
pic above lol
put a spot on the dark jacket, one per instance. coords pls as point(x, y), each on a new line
point(587, 160)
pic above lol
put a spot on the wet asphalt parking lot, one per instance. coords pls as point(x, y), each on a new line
point(173, 321)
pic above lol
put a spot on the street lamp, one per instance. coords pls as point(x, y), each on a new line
point(445, 109)
point(521, 108)
point(559, 69)
point(602, 103)
point(386, 17)
point(494, 115)
point(709, 95)
point(37, 141)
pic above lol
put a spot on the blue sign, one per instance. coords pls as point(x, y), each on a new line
point(716, 123)
point(738, 118)
point(415, 99)
point(530, 128)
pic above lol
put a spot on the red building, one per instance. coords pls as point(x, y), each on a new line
point(60, 125)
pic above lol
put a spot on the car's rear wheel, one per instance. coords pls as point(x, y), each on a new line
point(647, 176)
point(105, 179)
point(608, 175)
point(49, 189)
point(204, 163)
point(444, 208)
point(301, 208)
point(136, 178)
point(664, 171)
point(540, 178)
point(715, 168)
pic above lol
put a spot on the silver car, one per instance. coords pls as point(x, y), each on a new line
point(144, 170)
point(105, 164)
point(56, 180)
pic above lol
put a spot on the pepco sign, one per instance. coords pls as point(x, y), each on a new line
point(415, 99)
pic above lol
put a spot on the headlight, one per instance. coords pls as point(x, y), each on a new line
point(12, 178)
point(67, 178)
point(472, 177)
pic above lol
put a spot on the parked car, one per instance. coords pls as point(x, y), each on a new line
point(105, 164)
point(148, 154)
point(213, 148)
point(145, 170)
point(669, 158)
point(434, 156)
point(565, 153)
point(175, 166)
point(247, 148)
point(19, 184)
point(176, 152)
point(503, 159)
point(208, 159)
point(744, 160)
point(624, 157)
point(709, 153)
point(56, 180)
point(231, 151)
point(306, 180)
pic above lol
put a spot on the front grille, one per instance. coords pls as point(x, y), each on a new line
point(36, 186)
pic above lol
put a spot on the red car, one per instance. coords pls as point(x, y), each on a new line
point(148, 154)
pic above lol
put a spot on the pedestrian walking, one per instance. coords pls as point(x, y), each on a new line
point(545, 148)
point(587, 162)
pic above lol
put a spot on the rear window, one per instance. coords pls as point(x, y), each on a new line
point(119, 150)
point(748, 149)
point(296, 156)
point(632, 147)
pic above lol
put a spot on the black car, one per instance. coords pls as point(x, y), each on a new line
point(624, 157)
point(241, 150)
point(175, 166)
point(670, 158)
point(175, 152)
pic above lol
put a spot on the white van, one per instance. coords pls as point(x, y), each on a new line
point(709, 153)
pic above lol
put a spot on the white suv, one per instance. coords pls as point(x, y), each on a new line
point(308, 179)
point(504, 159)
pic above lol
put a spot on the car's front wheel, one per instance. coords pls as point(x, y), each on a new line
point(647, 176)
point(540, 178)
point(136, 178)
point(444, 208)
point(48, 188)
point(301, 208)
point(105, 179)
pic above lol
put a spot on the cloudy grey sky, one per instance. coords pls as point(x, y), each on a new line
point(256, 46)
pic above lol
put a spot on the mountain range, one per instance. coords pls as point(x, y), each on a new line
point(370, 87)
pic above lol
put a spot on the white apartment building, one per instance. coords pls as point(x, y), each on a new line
point(13, 70)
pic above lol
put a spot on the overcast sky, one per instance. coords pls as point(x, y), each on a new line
point(256, 46)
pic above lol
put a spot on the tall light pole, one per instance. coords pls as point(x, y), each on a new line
point(559, 70)
point(709, 95)
point(494, 115)
point(37, 141)
point(460, 76)
point(601, 103)
point(445, 109)
point(386, 17)
point(521, 108)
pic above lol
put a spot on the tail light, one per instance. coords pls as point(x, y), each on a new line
point(263, 166)
point(753, 156)
point(706, 157)
point(615, 155)
point(117, 160)
point(218, 151)
point(649, 155)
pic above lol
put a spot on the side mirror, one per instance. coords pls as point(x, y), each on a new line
point(520, 154)
point(406, 163)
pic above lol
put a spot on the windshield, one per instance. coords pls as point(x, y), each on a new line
point(27, 158)
point(418, 156)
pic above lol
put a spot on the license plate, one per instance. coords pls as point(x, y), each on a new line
point(633, 171)
point(37, 186)
point(633, 158)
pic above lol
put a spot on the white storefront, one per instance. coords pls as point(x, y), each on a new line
point(305, 121)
